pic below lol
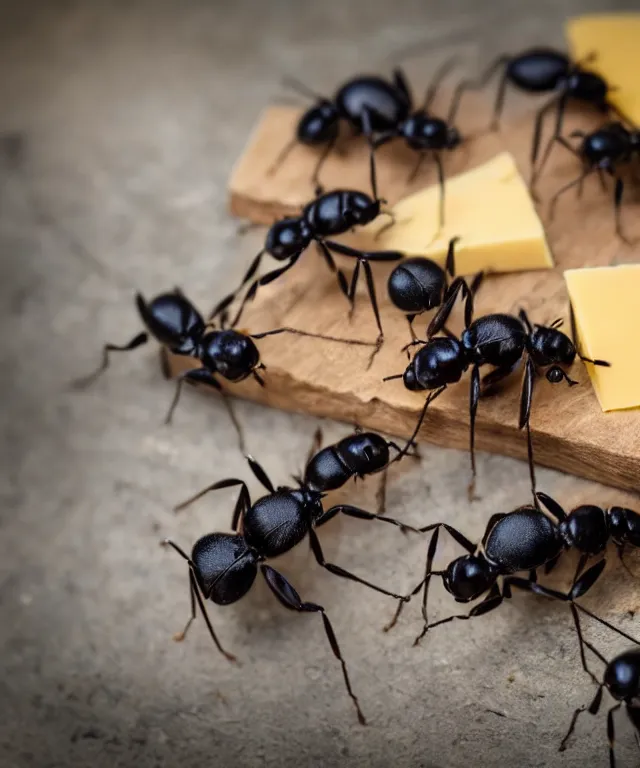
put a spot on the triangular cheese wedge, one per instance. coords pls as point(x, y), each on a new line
point(489, 208)
point(607, 319)
point(614, 41)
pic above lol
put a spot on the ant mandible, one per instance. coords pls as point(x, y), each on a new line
point(543, 70)
point(419, 284)
point(223, 566)
point(602, 151)
point(522, 540)
point(176, 324)
point(332, 213)
point(622, 680)
point(499, 340)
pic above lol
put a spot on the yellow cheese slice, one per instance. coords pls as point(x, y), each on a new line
point(607, 317)
point(614, 38)
point(489, 208)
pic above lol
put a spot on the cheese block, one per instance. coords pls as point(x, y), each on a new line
point(607, 319)
point(489, 208)
point(614, 39)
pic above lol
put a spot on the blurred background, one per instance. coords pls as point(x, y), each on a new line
point(119, 124)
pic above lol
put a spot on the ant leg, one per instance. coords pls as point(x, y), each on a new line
point(342, 280)
point(450, 262)
point(361, 514)
point(474, 397)
point(438, 76)
point(554, 200)
point(243, 502)
point(526, 398)
point(336, 570)
point(560, 110)
point(440, 167)
point(537, 131)
point(477, 85)
point(402, 84)
point(315, 178)
point(593, 709)
point(381, 493)
point(492, 601)
point(563, 143)
point(611, 733)
point(352, 288)
point(282, 156)
point(421, 158)
point(288, 596)
point(432, 396)
point(617, 202)
point(311, 335)
point(446, 308)
point(195, 591)
point(410, 319)
point(86, 381)
point(260, 475)
point(264, 280)
point(204, 376)
point(499, 103)
point(180, 636)
point(552, 506)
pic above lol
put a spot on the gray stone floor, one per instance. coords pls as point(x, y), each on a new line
point(121, 121)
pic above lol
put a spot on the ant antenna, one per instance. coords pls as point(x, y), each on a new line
point(296, 85)
point(437, 79)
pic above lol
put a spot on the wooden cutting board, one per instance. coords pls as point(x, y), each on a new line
point(570, 432)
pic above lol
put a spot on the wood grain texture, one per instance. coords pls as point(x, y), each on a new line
point(570, 432)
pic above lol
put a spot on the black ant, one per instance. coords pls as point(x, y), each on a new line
point(355, 456)
point(499, 340)
point(603, 151)
point(223, 566)
point(332, 213)
point(543, 70)
point(177, 325)
point(589, 528)
point(425, 133)
point(368, 104)
point(382, 111)
point(419, 284)
point(622, 680)
point(522, 540)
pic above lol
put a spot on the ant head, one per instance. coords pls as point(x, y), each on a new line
point(549, 346)
point(362, 208)
point(319, 124)
point(364, 452)
point(410, 378)
point(173, 321)
point(587, 86)
point(422, 131)
point(287, 238)
point(622, 676)
point(223, 566)
point(232, 354)
point(467, 577)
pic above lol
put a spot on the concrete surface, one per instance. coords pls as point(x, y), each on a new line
point(120, 123)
